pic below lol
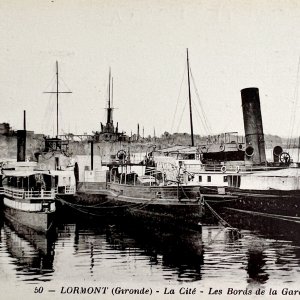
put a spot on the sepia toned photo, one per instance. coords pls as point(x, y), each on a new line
point(149, 149)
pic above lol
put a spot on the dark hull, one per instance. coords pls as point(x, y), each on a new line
point(156, 205)
point(171, 214)
point(280, 205)
point(39, 221)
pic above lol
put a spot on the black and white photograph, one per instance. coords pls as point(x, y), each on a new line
point(149, 149)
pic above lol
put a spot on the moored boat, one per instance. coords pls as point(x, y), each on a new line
point(272, 194)
point(29, 196)
point(29, 190)
point(144, 197)
point(129, 192)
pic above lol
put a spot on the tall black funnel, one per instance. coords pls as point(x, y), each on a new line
point(255, 142)
point(21, 145)
point(21, 142)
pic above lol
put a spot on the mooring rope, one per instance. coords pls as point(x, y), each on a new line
point(138, 205)
point(221, 220)
point(274, 216)
point(184, 192)
point(83, 211)
point(88, 206)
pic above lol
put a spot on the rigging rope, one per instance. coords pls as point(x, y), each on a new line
point(200, 118)
point(52, 105)
point(294, 108)
point(208, 127)
point(48, 115)
point(182, 114)
point(61, 79)
point(178, 99)
point(51, 82)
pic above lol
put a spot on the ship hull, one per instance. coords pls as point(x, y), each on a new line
point(40, 221)
point(161, 206)
point(281, 205)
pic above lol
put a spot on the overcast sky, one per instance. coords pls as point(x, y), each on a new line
point(232, 45)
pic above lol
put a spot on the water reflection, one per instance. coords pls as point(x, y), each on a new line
point(256, 263)
point(33, 253)
point(125, 251)
point(181, 251)
point(273, 247)
point(265, 226)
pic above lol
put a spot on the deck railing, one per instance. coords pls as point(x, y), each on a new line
point(22, 194)
point(239, 168)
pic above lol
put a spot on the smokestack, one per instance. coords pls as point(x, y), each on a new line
point(276, 153)
point(255, 143)
point(92, 155)
point(21, 142)
point(24, 120)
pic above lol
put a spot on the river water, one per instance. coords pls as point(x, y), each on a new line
point(122, 252)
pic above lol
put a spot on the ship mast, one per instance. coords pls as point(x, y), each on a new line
point(110, 95)
point(57, 92)
point(190, 101)
point(56, 99)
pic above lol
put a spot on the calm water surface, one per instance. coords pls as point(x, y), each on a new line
point(94, 251)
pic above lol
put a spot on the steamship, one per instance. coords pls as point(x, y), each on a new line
point(29, 195)
point(129, 191)
point(210, 165)
point(29, 188)
point(259, 188)
point(131, 194)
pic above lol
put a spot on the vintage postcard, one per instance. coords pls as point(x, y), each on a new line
point(149, 149)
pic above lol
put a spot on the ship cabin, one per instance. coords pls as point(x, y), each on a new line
point(65, 181)
point(26, 184)
point(34, 179)
point(281, 180)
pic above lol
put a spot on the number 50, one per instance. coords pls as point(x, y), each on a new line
point(38, 290)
